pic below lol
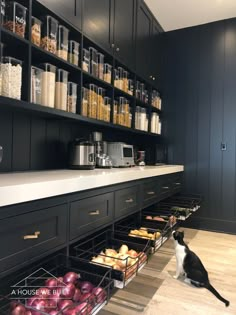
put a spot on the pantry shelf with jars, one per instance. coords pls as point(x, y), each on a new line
point(58, 72)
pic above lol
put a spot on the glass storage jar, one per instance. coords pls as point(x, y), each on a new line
point(36, 31)
point(120, 80)
point(36, 85)
point(84, 107)
point(100, 60)
point(142, 93)
point(15, 18)
point(125, 81)
point(71, 97)
point(61, 89)
point(107, 73)
point(138, 90)
point(115, 111)
point(48, 84)
point(92, 100)
point(2, 11)
point(86, 60)
point(11, 70)
point(93, 61)
point(73, 55)
point(100, 103)
point(62, 42)
point(49, 34)
point(130, 87)
point(107, 109)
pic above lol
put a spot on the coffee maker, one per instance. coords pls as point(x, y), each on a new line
point(102, 159)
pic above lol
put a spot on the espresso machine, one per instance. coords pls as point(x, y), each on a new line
point(102, 159)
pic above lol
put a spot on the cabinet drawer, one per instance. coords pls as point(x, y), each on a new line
point(177, 183)
point(151, 192)
point(126, 201)
point(27, 236)
point(90, 213)
point(165, 187)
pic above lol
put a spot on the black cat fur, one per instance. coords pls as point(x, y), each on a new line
point(194, 269)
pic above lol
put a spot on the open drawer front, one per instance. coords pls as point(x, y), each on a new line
point(111, 250)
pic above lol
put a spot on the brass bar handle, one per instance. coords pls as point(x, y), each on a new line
point(166, 187)
point(151, 193)
point(32, 236)
point(97, 212)
point(177, 184)
point(130, 200)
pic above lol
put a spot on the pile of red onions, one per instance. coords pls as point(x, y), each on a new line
point(62, 295)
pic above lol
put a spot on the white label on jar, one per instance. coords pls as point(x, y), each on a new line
point(75, 51)
point(20, 20)
point(64, 47)
point(52, 35)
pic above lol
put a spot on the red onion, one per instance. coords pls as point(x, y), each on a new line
point(88, 297)
point(80, 309)
point(70, 277)
point(77, 295)
point(64, 304)
point(51, 283)
point(68, 291)
point(100, 294)
point(55, 297)
point(53, 312)
point(13, 304)
point(60, 282)
point(39, 305)
point(18, 310)
point(30, 301)
point(86, 287)
point(28, 313)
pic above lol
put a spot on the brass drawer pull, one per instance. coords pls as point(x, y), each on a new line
point(177, 184)
point(33, 236)
point(166, 187)
point(130, 200)
point(151, 193)
point(97, 212)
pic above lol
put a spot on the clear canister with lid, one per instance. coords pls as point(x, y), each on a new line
point(84, 105)
point(138, 90)
point(86, 60)
point(115, 111)
point(125, 81)
point(73, 55)
point(36, 85)
point(138, 117)
point(100, 60)
point(93, 61)
point(142, 92)
point(130, 87)
point(61, 89)
point(100, 103)
point(107, 73)
point(49, 34)
point(2, 11)
point(107, 109)
point(92, 100)
point(48, 84)
point(62, 42)
point(36, 31)
point(15, 18)
point(71, 97)
point(11, 70)
point(116, 78)
point(120, 80)
point(143, 116)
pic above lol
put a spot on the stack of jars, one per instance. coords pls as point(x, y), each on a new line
point(122, 112)
point(141, 92)
point(50, 87)
point(141, 119)
point(95, 104)
point(155, 124)
point(13, 17)
point(93, 63)
point(156, 100)
point(122, 81)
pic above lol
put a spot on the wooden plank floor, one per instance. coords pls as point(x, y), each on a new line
point(154, 291)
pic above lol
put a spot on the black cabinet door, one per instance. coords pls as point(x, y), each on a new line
point(70, 10)
point(97, 23)
point(124, 39)
point(143, 40)
point(156, 54)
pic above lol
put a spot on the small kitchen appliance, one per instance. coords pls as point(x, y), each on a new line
point(102, 159)
point(82, 155)
point(141, 158)
point(121, 154)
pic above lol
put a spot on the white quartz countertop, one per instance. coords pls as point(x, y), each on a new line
point(27, 186)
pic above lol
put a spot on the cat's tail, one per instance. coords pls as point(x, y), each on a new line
point(213, 291)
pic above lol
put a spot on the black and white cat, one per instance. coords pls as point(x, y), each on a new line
point(189, 265)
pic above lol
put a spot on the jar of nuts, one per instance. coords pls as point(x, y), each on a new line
point(49, 34)
point(36, 31)
point(71, 97)
point(62, 42)
point(73, 56)
point(15, 18)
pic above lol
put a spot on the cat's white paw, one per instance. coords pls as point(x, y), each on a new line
point(175, 277)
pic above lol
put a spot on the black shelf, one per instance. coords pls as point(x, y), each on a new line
point(119, 92)
point(7, 35)
point(154, 109)
point(87, 77)
point(141, 103)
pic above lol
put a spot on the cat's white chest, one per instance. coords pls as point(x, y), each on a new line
point(180, 256)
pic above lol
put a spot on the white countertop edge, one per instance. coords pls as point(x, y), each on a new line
point(28, 186)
